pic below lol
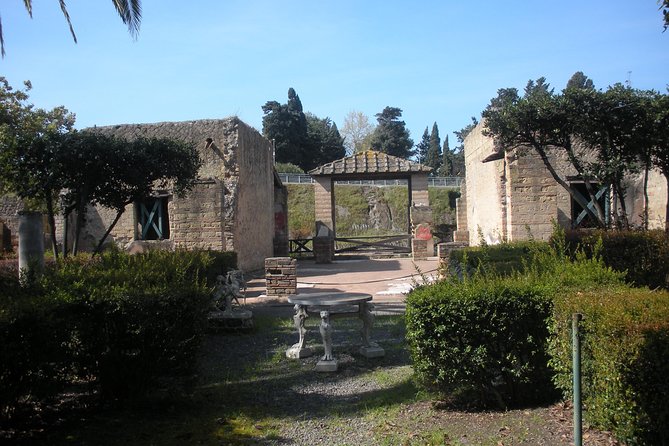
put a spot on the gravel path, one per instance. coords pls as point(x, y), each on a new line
point(366, 402)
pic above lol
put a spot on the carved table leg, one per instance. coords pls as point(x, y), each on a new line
point(369, 349)
point(327, 363)
point(298, 350)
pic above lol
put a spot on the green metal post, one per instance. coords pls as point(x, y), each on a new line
point(576, 360)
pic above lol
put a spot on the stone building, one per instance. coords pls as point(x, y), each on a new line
point(509, 197)
point(233, 206)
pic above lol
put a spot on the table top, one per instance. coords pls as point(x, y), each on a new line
point(329, 299)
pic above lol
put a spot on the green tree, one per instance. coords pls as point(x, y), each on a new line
point(423, 147)
point(325, 144)
point(286, 124)
point(603, 135)
point(355, 130)
point(580, 81)
point(664, 8)
point(659, 139)
point(288, 168)
point(130, 12)
point(391, 135)
point(433, 158)
point(28, 142)
point(446, 167)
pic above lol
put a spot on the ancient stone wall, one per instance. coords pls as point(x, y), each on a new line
point(9, 208)
point(230, 207)
point(254, 204)
point(485, 185)
point(514, 196)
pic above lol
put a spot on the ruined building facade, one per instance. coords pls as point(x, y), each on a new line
point(237, 204)
point(508, 197)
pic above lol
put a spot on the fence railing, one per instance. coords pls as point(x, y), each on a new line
point(296, 178)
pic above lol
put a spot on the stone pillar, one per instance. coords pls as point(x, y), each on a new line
point(422, 245)
point(444, 251)
point(462, 232)
point(281, 243)
point(281, 276)
point(31, 243)
point(323, 244)
point(324, 202)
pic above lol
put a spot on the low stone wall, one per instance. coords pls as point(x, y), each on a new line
point(444, 253)
point(281, 276)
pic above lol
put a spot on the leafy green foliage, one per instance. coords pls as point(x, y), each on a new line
point(433, 157)
point(301, 139)
point(325, 144)
point(625, 343)
point(288, 168)
point(391, 135)
point(126, 321)
point(604, 135)
point(286, 125)
point(423, 147)
point(355, 130)
point(481, 341)
point(642, 255)
point(301, 214)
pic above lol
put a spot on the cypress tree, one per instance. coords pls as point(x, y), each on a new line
point(433, 158)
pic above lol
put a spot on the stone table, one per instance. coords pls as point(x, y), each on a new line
point(328, 306)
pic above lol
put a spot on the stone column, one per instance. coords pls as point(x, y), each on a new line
point(31, 244)
point(422, 245)
point(324, 239)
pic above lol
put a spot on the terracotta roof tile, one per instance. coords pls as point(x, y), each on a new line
point(369, 161)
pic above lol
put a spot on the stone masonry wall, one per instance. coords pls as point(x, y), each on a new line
point(254, 204)
point(485, 193)
point(231, 207)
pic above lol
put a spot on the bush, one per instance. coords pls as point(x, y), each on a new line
point(625, 346)
point(133, 318)
point(127, 322)
point(502, 259)
point(482, 339)
point(33, 359)
point(642, 255)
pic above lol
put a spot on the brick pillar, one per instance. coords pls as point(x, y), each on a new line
point(419, 249)
point(281, 276)
point(444, 253)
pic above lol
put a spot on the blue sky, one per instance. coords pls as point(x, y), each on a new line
point(439, 61)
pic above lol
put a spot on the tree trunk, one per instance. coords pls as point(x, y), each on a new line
point(645, 194)
point(98, 248)
point(579, 199)
point(79, 223)
point(52, 224)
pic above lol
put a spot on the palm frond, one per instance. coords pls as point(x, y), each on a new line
point(29, 7)
point(2, 41)
point(67, 17)
point(131, 14)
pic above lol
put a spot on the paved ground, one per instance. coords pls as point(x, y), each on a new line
point(388, 280)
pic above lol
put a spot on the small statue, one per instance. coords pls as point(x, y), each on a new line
point(228, 289)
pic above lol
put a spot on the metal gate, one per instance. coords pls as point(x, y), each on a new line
point(385, 243)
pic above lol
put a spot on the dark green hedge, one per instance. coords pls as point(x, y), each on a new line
point(481, 341)
point(625, 360)
point(643, 255)
point(124, 321)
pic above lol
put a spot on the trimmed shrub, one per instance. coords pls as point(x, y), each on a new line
point(133, 318)
point(642, 255)
point(625, 346)
point(32, 354)
point(481, 339)
point(502, 259)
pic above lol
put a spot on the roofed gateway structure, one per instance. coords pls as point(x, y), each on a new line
point(371, 165)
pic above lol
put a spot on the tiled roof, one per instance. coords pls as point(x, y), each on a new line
point(369, 161)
